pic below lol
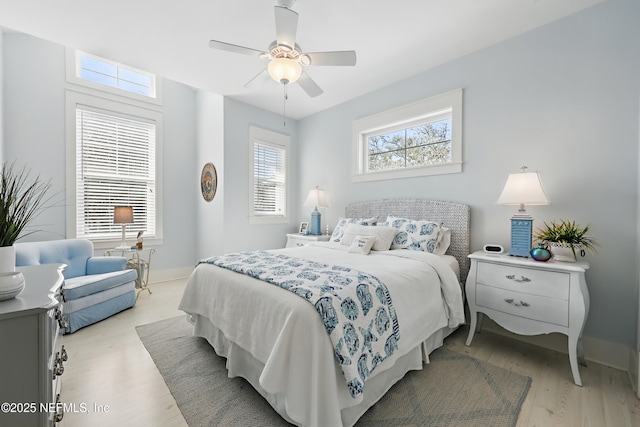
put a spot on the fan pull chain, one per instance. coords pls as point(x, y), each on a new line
point(284, 106)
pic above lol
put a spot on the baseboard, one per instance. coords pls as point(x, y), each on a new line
point(606, 353)
point(156, 276)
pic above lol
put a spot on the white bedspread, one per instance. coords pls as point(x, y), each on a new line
point(284, 332)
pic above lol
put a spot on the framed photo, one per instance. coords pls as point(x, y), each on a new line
point(304, 226)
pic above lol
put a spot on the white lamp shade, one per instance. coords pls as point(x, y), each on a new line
point(523, 188)
point(123, 215)
point(284, 70)
point(316, 198)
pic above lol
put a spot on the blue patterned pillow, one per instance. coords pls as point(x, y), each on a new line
point(414, 235)
point(338, 232)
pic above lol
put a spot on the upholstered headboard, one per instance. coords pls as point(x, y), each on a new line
point(455, 216)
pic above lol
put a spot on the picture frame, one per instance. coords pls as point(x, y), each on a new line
point(304, 228)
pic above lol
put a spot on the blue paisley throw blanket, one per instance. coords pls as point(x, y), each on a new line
point(355, 307)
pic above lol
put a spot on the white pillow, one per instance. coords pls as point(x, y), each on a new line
point(415, 235)
point(384, 235)
point(444, 241)
point(338, 232)
point(362, 245)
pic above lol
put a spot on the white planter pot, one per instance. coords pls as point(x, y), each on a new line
point(563, 252)
point(7, 259)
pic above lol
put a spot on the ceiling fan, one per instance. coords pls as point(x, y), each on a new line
point(286, 58)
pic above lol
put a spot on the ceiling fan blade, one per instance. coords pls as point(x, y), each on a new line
point(286, 26)
point(260, 78)
point(309, 85)
point(345, 57)
point(215, 44)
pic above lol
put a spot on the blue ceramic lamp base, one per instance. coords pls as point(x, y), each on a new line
point(316, 218)
point(521, 229)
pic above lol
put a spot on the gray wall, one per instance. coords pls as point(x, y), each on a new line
point(561, 99)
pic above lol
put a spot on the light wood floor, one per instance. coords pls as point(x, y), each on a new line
point(112, 381)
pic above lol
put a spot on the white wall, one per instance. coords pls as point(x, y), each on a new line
point(561, 99)
point(210, 224)
point(1, 99)
point(239, 235)
point(34, 129)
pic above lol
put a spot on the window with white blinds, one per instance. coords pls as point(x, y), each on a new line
point(115, 166)
point(269, 176)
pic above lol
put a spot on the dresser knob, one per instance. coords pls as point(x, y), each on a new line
point(515, 279)
point(299, 244)
point(63, 354)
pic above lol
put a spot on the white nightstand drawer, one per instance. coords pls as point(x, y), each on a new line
point(527, 280)
point(549, 310)
point(295, 240)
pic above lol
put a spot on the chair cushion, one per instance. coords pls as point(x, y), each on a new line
point(77, 287)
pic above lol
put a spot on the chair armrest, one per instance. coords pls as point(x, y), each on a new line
point(105, 264)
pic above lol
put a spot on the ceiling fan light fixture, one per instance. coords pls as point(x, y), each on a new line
point(284, 70)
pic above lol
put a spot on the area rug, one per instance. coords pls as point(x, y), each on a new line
point(453, 390)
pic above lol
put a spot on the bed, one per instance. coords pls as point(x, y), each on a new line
point(278, 342)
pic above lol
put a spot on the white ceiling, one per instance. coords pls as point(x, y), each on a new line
point(393, 39)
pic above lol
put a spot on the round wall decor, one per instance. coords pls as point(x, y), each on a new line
point(208, 182)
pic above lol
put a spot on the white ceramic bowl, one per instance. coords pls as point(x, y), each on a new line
point(11, 284)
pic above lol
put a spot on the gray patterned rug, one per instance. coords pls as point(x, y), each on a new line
point(453, 390)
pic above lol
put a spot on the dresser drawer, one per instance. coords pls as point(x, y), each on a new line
point(551, 284)
point(535, 307)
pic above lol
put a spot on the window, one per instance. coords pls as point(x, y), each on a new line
point(106, 75)
point(269, 192)
point(423, 138)
point(114, 147)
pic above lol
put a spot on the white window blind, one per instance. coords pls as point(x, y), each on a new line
point(115, 166)
point(269, 185)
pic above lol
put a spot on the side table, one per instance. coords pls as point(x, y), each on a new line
point(528, 297)
point(140, 260)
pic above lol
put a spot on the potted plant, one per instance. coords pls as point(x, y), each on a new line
point(21, 199)
point(564, 238)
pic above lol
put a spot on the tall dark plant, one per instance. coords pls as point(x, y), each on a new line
point(21, 199)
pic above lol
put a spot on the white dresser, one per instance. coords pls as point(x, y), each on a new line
point(297, 239)
point(32, 356)
point(528, 297)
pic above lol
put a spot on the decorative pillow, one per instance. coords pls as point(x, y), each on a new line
point(384, 235)
point(338, 232)
point(444, 241)
point(362, 245)
point(415, 235)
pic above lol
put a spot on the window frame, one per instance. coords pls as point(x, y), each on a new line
point(73, 62)
point(402, 118)
point(281, 141)
point(118, 108)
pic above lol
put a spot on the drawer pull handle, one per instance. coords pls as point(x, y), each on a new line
point(58, 367)
point(59, 410)
point(63, 354)
point(520, 304)
point(64, 323)
point(299, 244)
point(522, 279)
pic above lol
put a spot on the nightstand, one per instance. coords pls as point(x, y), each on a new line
point(528, 297)
point(297, 239)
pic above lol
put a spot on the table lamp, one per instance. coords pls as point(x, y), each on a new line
point(524, 188)
point(123, 215)
point(316, 198)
